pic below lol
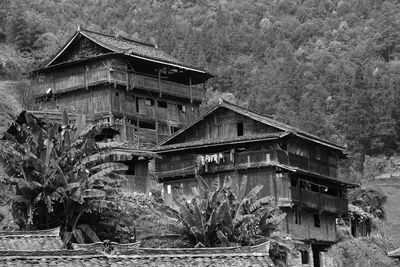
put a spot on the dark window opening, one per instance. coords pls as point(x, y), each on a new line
point(149, 102)
point(174, 129)
point(137, 104)
point(130, 98)
point(305, 257)
point(117, 94)
point(239, 128)
point(314, 187)
point(162, 104)
point(147, 125)
point(293, 182)
point(181, 108)
point(317, 222)
point(297, 217)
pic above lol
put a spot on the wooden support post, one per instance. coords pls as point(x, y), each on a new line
point(191, 90)
point(127, 80)
point(86, 79)
point(157, 137)
point(137, 131)
point(159, 82)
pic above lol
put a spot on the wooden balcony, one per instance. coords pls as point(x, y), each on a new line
point(254, 159)
point(125, 78)
point(311, 165)
point(318, 200)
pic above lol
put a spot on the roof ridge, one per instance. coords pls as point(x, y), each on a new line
point(122, 37)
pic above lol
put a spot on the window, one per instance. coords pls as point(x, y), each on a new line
point(304, 257)
point(117, 94)
point(298, 148)
point(130, 98)
point(181, 108)
point(317, 222)
point(220, 130)
point(149, 102)
point(317, 153)
point(297, 217)
point(162, 104)
point(239, 128)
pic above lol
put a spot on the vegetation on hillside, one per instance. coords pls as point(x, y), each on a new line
point(327, 66)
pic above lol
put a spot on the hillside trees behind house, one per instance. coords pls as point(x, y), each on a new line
point(330, 67)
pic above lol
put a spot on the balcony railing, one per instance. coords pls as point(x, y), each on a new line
point(318, 200)
point(116, 76)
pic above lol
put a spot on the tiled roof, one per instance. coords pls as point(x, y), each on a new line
point(260, 118)
point(122, 45)
point(47, 240)
point(113, 254)
point(141, 260)
point(221, 141)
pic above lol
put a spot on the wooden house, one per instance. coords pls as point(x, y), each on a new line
point(299, 169)
point(138, 89)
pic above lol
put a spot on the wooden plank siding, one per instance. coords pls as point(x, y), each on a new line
point(224, 124)
point(273, 185)
point(304, 227)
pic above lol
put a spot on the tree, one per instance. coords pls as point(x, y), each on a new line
point(61, 176)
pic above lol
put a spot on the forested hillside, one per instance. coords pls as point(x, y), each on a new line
point(329, 67)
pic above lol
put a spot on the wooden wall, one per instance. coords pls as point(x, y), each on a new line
point(306, 228)
point(276, 185)
point(223, 123)
point(137, 179)
point(94, 100)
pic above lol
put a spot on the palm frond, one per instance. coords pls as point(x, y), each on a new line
point(261, 202)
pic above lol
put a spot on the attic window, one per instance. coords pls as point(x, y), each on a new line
point(149, 102)
point(162, 104)
point(240, 129)
point(304, 257)
point(317, 153)
point(181, 108)
point(317, 221)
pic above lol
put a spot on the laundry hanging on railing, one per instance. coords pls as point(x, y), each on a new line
point(204, 160)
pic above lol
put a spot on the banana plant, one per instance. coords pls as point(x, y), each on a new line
point(60, 173)
point(223, 214)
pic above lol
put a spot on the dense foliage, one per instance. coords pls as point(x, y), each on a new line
point(328, 66)
point(219, 215)
point(62, 177)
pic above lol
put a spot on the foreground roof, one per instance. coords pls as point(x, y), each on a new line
point(113, 254)
point(41, 241)
point(287, 129)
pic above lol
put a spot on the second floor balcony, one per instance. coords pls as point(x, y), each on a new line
point(245, 160)
point(130, 80)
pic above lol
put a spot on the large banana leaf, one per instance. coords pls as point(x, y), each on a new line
point(93, 193)
point(89, 232)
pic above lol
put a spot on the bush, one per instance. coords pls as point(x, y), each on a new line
point(365, 251)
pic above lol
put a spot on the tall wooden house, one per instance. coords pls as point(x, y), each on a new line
point(138, 89)
point(299, 169)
